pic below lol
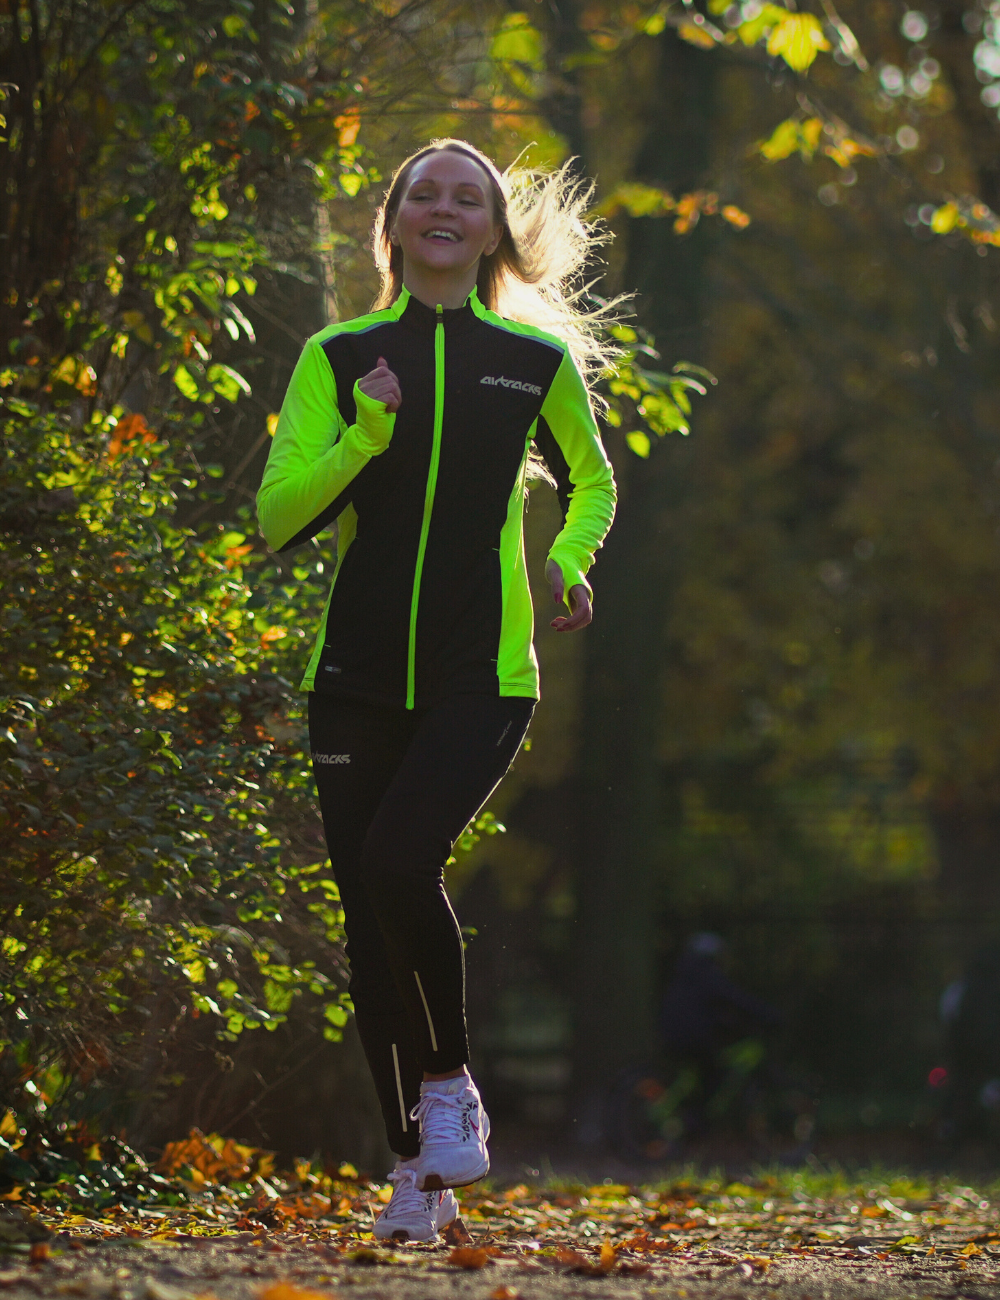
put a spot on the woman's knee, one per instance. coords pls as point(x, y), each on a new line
point(397, 862)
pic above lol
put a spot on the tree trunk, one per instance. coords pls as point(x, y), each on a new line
point(619, 790)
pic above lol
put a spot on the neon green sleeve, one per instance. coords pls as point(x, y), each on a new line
point(569, 415)
point(315, 455)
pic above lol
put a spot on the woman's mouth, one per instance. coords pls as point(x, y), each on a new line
point(448, 235)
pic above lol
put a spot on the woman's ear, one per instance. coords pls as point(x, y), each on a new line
point(494, 243)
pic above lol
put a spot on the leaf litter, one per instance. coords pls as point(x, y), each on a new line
point(215, 1219)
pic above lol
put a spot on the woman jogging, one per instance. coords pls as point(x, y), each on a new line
point(413, 428)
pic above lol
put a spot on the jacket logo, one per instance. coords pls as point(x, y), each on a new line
point(331, 758)
point(512, 383)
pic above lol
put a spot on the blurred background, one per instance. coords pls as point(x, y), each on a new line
point(739, 898)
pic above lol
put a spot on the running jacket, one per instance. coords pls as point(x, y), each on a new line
point(430, 593)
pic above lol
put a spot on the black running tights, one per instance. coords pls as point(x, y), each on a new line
point(396, 789)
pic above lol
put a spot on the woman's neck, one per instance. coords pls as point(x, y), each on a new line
point(432, 290)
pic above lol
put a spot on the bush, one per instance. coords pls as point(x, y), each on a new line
point(142, 780)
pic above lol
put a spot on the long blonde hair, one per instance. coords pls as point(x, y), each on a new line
point(536, 274)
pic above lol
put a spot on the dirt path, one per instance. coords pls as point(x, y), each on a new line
point(804, 1237)
point(277, 1269)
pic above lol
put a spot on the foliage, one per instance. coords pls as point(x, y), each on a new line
point(174, 157)
point(139, 694)
point(652, 398)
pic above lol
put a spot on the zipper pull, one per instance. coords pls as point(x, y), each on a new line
point(440, 314)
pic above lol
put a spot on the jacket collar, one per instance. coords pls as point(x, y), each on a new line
point(420, 318)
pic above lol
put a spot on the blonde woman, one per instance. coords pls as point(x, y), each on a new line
point(414, 428)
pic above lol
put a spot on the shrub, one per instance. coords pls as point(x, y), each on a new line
point(141, 775)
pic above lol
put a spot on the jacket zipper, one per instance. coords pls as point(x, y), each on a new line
point(432, 473)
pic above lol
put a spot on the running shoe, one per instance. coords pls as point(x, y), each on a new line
point(413, 1215)
point(454, 1129)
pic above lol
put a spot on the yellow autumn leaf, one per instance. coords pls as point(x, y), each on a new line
point(272, 423)
point(811, 130)
point(798, 39)
point(945, 219)
point(783, 142)
point(695, 34)
point(639, 443)
point(735, 216)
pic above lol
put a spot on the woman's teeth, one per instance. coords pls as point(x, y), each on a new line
point(442, 234)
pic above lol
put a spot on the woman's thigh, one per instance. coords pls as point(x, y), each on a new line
point(459, 752)
point(356, 752)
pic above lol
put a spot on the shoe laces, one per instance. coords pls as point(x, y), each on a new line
point(439, 1115)
point(406, 1195)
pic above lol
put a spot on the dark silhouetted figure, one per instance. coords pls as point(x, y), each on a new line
point(971, 1011)
point(702, 1014)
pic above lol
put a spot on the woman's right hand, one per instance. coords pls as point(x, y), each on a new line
point(382, 385)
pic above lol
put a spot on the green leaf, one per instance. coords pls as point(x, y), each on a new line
point(752, 30)
point(639, 442)
point(227, 382)
point(517, 41)
point(187, 384)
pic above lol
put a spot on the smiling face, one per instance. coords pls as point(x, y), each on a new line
point(445, 221)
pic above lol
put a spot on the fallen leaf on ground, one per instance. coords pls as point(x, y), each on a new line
point(289, 1291)
point(643, 1241)
point(469, 1257)
point(456, 1234)
point(505, 1293)
point(574, 1261)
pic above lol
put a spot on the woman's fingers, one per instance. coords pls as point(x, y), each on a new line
point(382, 385)
point(582, 611)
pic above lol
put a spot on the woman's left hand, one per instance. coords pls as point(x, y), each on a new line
point(579, 601)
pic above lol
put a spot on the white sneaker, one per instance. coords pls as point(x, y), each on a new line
point(454, 1129)
point(413, 1215)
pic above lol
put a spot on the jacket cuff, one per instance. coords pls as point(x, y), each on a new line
point(374, 423)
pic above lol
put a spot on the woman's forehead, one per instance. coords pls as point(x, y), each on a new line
point(446, 167)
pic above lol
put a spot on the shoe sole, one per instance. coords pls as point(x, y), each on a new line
point(434, 1182)
point(401, 1235)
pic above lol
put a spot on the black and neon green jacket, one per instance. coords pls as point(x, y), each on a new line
point(430, 594)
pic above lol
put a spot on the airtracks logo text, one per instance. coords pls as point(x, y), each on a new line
point(331, 758)
point(512, 383)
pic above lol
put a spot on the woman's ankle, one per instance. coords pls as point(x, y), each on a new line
point(443, 1078)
